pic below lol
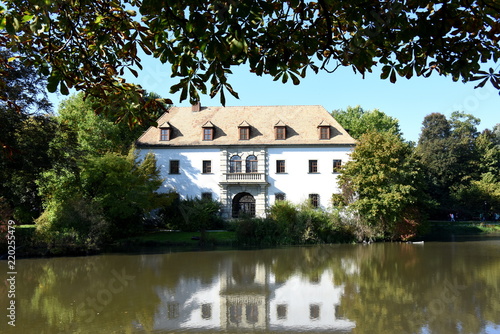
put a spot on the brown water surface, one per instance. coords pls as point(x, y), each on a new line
point(436, 287)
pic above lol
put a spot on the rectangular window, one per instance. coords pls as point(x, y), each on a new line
point(324, 132)
point(206, 311)
point(314, 199)
point(280, 166)
point(281, 310)
point(174, 167)
point(208, 133)
point(279, 197)
point(164, 134)
point(280, 133)
point(244, 133)
point(206, 196)
point(313, 166)
point(336, 165)
point(172, 310)
point(314, 311)
point(207, 167)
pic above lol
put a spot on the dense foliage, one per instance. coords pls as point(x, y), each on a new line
point(26, 129)
point(105, 198)
point(461, 166)
point(383, 183)
point(191, 214)
point(89, 44)
point(394, 186)
point(358, 121)
point(288, 223)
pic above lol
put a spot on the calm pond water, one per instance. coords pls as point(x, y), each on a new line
point(436, 287)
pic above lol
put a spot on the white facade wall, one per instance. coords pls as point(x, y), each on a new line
point(297, 183)
point(306, 305)
point(190, 182)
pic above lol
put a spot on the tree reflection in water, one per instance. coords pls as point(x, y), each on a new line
point(379, 288)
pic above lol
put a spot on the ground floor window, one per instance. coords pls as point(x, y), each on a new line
point(174, 167)
point(314, 200)
point(279, 197)
point(206, 196)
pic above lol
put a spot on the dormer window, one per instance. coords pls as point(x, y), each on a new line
point(208, 134)
point(244, 130)
point(208, 131)
point(280, 131)
point(165, 131)
point(324, 130)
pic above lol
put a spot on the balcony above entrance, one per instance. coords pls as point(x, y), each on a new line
point(243, 178)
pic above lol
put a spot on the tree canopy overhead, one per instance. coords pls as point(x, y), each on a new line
point(89, 44)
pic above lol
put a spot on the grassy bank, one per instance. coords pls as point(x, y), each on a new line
point(444, 229)
point(27, 246)
point(176, 238)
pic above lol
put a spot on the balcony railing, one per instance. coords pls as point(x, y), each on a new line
point(245, 177)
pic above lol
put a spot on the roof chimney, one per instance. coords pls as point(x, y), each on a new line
point(196, 107)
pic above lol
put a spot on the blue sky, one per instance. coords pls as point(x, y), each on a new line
point(409, 101)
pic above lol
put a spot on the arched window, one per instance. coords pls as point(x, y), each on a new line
point(235, 164)
point(243, 203)
point(251, 164)
point(252, 312)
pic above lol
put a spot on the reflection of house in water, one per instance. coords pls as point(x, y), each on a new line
point(244, 296)
point(302, 304)
point(247, 297)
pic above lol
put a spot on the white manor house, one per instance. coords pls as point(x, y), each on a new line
point(249, 157)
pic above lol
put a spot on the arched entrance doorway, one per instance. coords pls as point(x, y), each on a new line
point(243, 204)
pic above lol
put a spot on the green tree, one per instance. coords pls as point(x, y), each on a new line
point(22, 88)
point(358, 121)
point(105, 198)
point(99, 190)
point(464, 135)
point(481, 196)
point(496, 133)
point(488, 152)
point(386, 180)
point(24, 137)
point(95, 133)
point(32, 156)
point(447, 149)
point(89, 44)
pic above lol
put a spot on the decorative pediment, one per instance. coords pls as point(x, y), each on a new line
point(280, 130)
point(208, 124)
point(280, 123)
point(244, 124)
point(165, 125)
point(323, 123)
point(324, 130)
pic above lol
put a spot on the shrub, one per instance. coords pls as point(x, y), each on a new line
point(190, 215)
point(257, 231)
point(76, 222)
point(291, 224)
